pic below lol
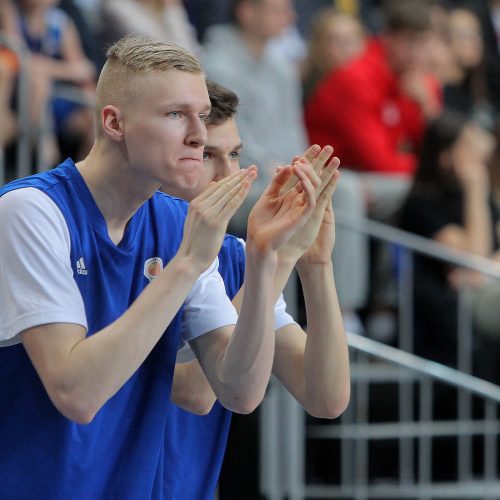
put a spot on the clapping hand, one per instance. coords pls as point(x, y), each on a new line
point(209, 214)
point(315, 239)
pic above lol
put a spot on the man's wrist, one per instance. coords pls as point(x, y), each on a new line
point(311, 269)
point(262, 256)
point(187, 267)
point(287, 257)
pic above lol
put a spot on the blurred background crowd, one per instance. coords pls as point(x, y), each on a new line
point(407, 92)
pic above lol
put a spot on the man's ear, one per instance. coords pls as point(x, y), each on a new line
point(112, 122)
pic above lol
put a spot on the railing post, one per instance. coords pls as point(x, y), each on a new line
point(464, 364)
point(23, 121)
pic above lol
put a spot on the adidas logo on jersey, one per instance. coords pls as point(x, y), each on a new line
point(80, 267)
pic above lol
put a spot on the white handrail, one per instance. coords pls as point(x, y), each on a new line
point(423, 366)
point(417, 243)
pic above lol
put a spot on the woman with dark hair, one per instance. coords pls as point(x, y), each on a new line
point(450, 202)
point(469, 89)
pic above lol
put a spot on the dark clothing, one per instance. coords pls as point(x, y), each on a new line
point(435, 301)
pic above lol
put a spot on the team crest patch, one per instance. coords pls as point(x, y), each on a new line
point(152, 268)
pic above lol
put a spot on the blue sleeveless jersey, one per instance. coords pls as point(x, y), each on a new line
point(195, 444)
point(121, 453)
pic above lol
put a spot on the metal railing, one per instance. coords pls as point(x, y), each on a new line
point(414, 434)
point(23, 139)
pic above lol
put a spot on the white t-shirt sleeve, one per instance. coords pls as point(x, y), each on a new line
point(207, 307)
point(281, 317)
point(37, 285)
point(185, 354)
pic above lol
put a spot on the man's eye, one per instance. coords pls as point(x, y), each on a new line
point(174, 114)
point(206, 156)
point(203, 116)
point(234, 155)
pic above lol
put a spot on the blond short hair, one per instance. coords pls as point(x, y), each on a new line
point(142, 54)
point(135, 55)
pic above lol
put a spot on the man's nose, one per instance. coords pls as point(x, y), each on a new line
point(197, 133)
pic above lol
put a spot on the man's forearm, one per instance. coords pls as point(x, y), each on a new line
point(244, 368)
point(81, 373)
point(191, 389)
point(283, 271)
point(326, 356)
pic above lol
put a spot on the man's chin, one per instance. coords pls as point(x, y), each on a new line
point(186, 192)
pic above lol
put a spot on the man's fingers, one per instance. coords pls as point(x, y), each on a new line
point(229, 209)
point(327, 173)
point(217, 186)
point(312, 152)
point(308, 181)
point(229, 200)
point(321, 158)
point(326, 195)
point(219, 189)
point(279, 180)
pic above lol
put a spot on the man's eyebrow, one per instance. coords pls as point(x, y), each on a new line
point(216, 148)
point(187, 106)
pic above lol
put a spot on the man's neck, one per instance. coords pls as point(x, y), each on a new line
point(116, 196)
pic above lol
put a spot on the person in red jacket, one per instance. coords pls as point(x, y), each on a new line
point(374, 111)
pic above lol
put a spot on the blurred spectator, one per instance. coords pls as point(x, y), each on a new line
point(165, 20)
point(290, 44)
point(495, 18)
point(206, 13)
point(467, 90)
point(386, 91)
point(484, 10)
point(495, 168)
point(373, 111)
point(369, 11)
point(441, 60)
point(7, 18)
point(335, 39)
point(57, 57)
point(237, 56)
point(8, 67)
point(89, 31)
point(450, 202)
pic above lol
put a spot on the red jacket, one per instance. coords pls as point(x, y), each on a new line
point(363, 114)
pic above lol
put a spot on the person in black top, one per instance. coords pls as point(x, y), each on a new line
point(450, 202)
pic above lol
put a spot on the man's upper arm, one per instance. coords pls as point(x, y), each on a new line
point(48, 347)
point(37, 285)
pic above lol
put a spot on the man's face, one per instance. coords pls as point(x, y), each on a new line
point(220, 158)
point(164, 129)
